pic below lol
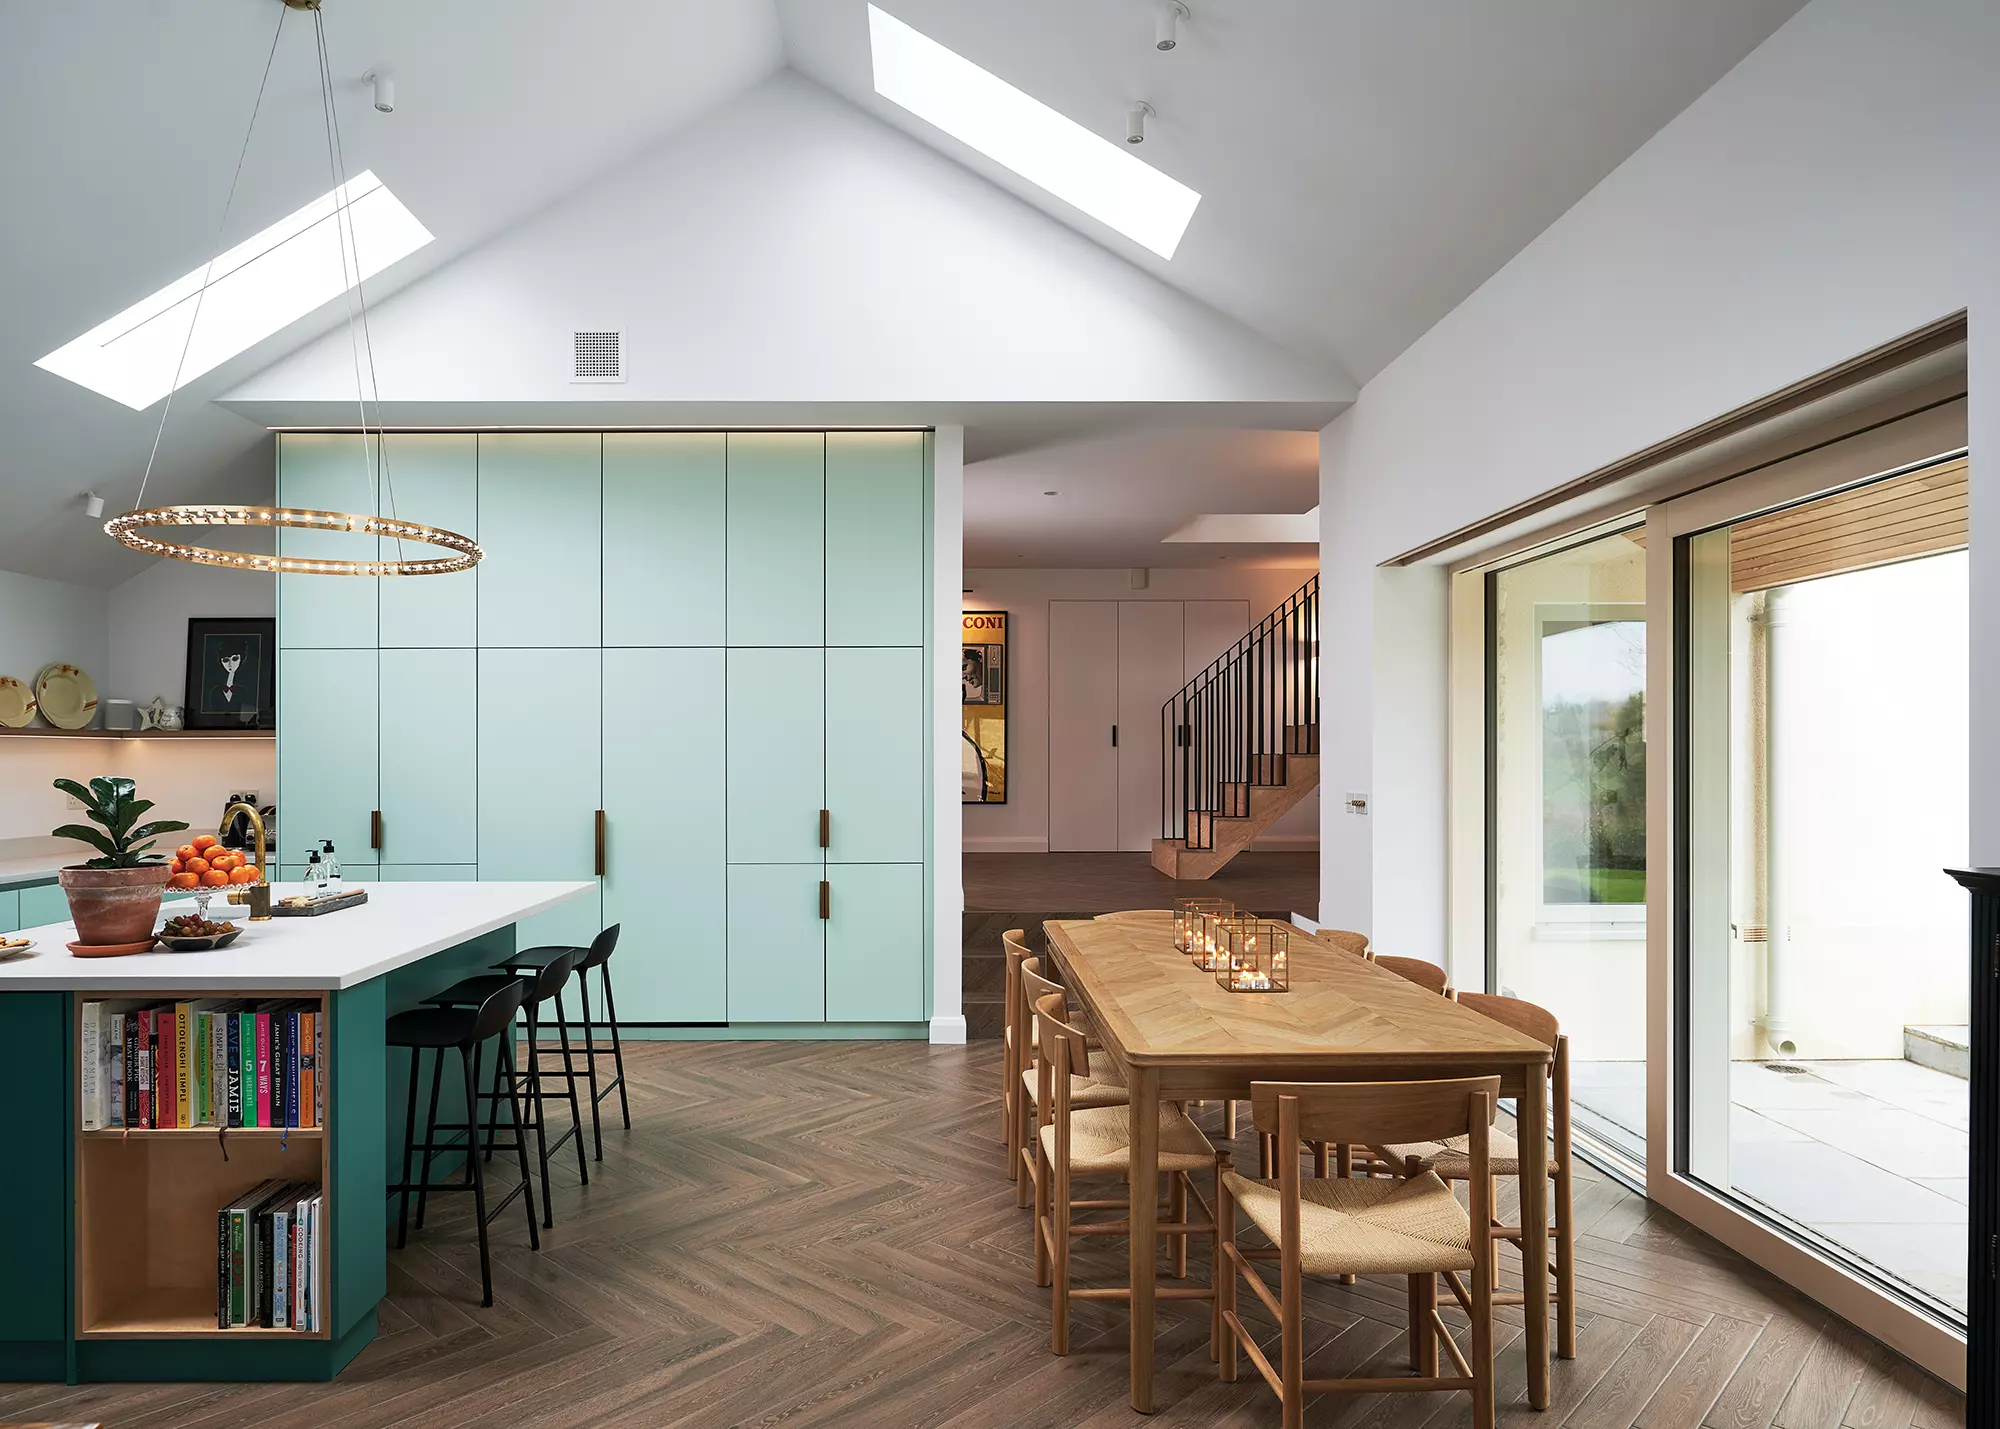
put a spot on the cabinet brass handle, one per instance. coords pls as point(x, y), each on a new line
point(825, 899)
point(375, 828)
point(826, 828)
point(600, 843)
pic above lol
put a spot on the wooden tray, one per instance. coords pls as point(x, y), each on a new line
point(329, 905)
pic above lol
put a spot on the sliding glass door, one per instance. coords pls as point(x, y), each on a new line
point(1566, 804)
point(1822, 769)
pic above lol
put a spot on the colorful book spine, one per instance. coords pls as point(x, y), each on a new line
point(280, 1056)
point(281, 1268)
point(218, 1072)
point(183, 1069)
point(198, 1061)
point(233, 1049)
point(319, 1070)
point(114, 1092)
point(263, 1025)
point(166, 1077)
point(308, 1069)
point(134, 1073)
point(146, 1053)
point(291, 1069)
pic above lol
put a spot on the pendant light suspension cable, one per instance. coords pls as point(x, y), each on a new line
point(214, 252)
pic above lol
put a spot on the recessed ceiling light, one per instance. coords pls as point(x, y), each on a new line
point(1052, 493)
point(1011, 128)
point(261, 285)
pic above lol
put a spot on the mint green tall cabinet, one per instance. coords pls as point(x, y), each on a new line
point(695, 641)
point(326, 471)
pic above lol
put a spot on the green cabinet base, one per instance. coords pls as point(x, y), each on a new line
point(784, 1032)
point(219, 1361)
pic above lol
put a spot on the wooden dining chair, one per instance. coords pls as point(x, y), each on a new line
point(1449, 1160)
point(1094, 1079)
point(1014, 1033)
point(1075, 1140)
point(1420, 971)
point(1409, 1225)
point(1355, 943)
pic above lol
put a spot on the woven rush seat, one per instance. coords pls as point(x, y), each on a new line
point(1099, 1141)
point(1449, 1160)
point(1091, 1091)
point(1365, 1227)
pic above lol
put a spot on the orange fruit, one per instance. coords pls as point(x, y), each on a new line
point(174, 867)
point(184, 852)
point(204, 841)
point(215, 878)
point(251, 873)
point(244, 874)
point(194, 865)
point(186, 880)
point(223, 861)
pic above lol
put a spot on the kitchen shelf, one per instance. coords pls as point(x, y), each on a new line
point(229, 1133)
point(161, 734)
point(179, 1313)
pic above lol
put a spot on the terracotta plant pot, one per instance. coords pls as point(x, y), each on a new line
point(112, 906)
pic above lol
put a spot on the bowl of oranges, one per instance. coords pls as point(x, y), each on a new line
point(204, 863)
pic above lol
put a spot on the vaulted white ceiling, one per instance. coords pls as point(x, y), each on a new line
point(1363, 166)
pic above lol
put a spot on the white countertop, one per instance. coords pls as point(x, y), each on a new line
point(25, 859)
point(398, 925)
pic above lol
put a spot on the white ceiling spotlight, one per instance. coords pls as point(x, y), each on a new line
point(1019, 132)
point(1167, 28)
point(93, 504)
point(1135, 122)
point(385, 89)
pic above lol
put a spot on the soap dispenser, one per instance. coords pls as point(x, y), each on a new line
point(330, 867)
point(315, 879)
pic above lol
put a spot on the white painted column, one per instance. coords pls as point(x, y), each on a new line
point(947, 817)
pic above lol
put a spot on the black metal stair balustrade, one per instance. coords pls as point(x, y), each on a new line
point(1230, 728)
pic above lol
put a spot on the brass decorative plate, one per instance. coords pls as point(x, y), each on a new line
point(68, 697)
point(17, 703)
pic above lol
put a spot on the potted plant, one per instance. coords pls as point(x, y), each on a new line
point(113, 899)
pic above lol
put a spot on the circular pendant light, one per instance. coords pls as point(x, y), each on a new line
point(463, 553)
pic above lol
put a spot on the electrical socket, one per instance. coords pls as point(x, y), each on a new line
point(248, 796)
point(70, 801)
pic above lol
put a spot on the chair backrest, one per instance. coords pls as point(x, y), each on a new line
point(1355, 943)
point(498, 1010)
point(1376, 1113)
point(1035, 987)
point(549, 980)
point(1524, 1017)
point(1052, 1025)
point(1416, 970)
point(1013, 943)
point(601, 948)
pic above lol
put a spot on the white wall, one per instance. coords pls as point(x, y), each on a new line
point(1021, 825)
point(148, 617)
point(790, 248)
point(947, 883)
point(42, 622)
point(1836, 189)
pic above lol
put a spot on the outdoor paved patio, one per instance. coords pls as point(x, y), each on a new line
point(1869, 1155)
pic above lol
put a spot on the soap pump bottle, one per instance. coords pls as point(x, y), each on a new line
point(315, 873)
point(330, 867)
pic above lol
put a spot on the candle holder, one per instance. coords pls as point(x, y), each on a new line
point(1257, 957)
point(1188, 914)
point(1210, 949)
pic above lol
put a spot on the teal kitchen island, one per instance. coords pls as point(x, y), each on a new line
point(109, 1257)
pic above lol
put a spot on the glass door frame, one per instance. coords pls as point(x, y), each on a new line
point(1936, 1345)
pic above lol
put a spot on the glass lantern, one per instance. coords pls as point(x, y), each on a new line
point(1188, 915)
point(1210, 949)
point(1257, 957)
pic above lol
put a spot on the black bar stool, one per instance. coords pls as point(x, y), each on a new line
point(466, 1029)
point(543, 984)
point(596, 956)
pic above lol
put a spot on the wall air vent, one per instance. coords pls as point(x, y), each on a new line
point(597, 355)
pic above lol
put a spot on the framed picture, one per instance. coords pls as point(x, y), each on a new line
point(983, 701)
point(232, 672)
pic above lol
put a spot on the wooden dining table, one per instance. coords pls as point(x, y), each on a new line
point(1177, 1035)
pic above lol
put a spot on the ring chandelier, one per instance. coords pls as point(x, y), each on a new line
point(130, 529)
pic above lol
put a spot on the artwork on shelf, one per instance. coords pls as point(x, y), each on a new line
point(232, 672)
point(983, 698)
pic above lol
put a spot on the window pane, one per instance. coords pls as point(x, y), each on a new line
point(1568, 856)
point(1827, 766)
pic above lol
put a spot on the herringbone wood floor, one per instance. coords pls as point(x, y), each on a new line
point(809, 1234)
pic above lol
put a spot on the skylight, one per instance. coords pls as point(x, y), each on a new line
point(256, 288)
point(1045, 148)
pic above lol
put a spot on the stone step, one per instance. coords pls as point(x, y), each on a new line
point(1942, 1049)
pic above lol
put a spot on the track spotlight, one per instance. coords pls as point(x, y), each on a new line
point(93, 504)
point(385, 90)
point(1166, 29)
point(1135, 122)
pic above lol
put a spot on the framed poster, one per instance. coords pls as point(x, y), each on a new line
point(983, 702)
point(232, 672)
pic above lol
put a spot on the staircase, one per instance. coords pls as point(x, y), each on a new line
point(1240, 742)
